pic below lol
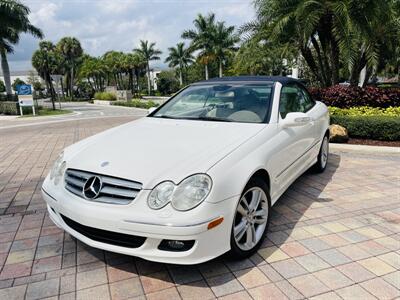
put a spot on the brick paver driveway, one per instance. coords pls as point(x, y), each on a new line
point(332, 236)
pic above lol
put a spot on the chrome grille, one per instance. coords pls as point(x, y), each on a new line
point(113, 190)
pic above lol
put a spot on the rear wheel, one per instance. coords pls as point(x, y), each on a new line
point(323, 155)
point(251, 219)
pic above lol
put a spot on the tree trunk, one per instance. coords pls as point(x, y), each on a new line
point(220, 69)
point(72, 83)
point(6, 71)
point(335, 61)
point(322, 70)
point(367, 76)
point(148, 79)
point(306, 53)
point(62, 87)
point(137, 86)
point(50, 88)
point(180, 75)
point(206, 70)
point(356, 69)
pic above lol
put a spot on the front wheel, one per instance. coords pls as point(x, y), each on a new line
point(251, 219)
point(323, 154)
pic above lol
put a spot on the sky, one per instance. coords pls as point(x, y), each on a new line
point(103, 25)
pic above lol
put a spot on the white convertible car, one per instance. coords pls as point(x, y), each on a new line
point(195, 178)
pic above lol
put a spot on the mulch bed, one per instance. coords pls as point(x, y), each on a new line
point(374, 142)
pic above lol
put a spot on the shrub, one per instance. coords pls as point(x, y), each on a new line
point(167, 83)
point(344, 96)
point(365, 111)
point(9, 108)
point(16, 83)
point(386, 128)
point(106, 96)
point(136, 103)
point(2, 86)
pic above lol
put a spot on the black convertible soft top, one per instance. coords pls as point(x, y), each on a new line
point(272, 79)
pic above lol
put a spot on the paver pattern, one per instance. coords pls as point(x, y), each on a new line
point(332, 236)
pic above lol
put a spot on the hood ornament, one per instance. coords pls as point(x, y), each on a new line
point(104, 164)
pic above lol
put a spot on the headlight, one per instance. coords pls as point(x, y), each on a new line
point(60, 172)
point(58, 169)
point(191, 192)
point(185, 196)
point(161, 195)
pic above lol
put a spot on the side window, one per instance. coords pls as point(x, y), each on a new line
point(307, 101)
point(294, 99)
point(289, 101)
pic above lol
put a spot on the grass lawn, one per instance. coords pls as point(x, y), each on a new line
point(47, 112)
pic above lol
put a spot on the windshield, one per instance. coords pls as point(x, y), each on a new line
point(220, 102)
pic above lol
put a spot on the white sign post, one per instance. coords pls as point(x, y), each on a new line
point(25, 97)
point(26, 101)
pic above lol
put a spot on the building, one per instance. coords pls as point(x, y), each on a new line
point(23, 75)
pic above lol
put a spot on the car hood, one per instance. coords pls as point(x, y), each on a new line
point(151, 150)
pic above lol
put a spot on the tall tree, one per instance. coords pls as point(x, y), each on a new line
point(72, 51)
point(13, 21)
point(94, 70)
point(224, 43)
point(148, 52)
point(180, 57)
point(45, 60)
point(202, 39)
point(326, 32)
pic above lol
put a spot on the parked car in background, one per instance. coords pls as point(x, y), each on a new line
point(197, 177)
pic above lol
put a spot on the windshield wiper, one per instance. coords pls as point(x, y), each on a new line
point(166, 117)
point(205, 118)
point(200, 118)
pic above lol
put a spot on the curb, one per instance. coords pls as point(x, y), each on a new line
point(117, 106)
point(364, 148)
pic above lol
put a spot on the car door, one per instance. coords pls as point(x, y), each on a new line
point(296, 142)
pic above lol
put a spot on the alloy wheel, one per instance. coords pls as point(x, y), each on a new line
point(251, 218)
point(324, 152)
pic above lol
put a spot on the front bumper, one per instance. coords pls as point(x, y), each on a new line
point(133, 219)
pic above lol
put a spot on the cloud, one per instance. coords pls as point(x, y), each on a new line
point(103, 25)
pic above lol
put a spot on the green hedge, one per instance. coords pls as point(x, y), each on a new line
point(365, 111)
point(136, 103)
point(385, 128)
point(105, 96)
point(9, 108)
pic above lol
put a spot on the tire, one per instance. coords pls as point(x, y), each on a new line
point(256, 220)
point(323, 156)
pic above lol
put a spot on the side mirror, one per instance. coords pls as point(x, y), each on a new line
point(295, 119)
point(151, 109)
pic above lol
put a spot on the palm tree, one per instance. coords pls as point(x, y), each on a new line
point(72, 51)
point(94, 71)
point(114, 63)
point(13, 21)
point(326, 32)
point(224, 43)
point(181, 57)
point(45, 60)
point(133, 63)
point(202, 38)
point(149, 53)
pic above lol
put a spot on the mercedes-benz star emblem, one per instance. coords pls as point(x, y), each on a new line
point(92, 187)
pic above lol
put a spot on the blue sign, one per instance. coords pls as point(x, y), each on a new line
point(24, 89)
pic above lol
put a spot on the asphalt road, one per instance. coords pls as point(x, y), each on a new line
point(81, 111)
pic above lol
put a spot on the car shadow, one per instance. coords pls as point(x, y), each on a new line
point(288, 215)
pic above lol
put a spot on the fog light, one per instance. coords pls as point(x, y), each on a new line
point(175, 245)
